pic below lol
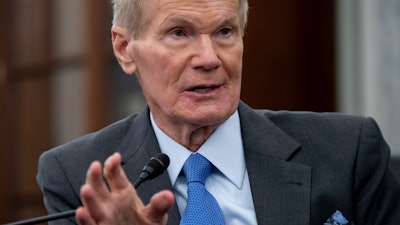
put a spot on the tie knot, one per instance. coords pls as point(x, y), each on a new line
point(197, 168)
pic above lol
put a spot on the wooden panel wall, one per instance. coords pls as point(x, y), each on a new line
point(289, 55)
point(99, 57)
point(25, 54)
point(25, 100)
point(26, 67)
point(5, 161)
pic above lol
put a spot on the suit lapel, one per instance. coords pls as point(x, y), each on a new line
point(281, 189)
point(138, 146)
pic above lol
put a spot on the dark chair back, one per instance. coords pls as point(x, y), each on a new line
point(394, 166)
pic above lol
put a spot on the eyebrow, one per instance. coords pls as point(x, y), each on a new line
point(231, 20)
point(176, 19)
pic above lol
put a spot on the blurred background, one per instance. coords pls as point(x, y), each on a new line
point(59, 79)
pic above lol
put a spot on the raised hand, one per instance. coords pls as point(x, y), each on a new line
point(119, 204)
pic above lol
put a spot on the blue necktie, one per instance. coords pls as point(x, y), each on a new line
point(201, 208)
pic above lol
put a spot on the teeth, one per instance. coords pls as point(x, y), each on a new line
point(202, 90)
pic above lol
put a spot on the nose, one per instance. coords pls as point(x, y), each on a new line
point(206, 56)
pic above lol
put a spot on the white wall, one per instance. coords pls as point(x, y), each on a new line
point(368, 59)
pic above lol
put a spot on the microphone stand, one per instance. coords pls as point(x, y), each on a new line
point(42, 219)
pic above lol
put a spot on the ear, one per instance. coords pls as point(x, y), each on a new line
point(120, 42)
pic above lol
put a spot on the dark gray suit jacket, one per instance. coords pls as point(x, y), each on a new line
point(302, 167)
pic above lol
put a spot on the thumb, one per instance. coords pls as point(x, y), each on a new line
point(160, 204)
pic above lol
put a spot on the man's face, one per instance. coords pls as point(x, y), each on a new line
point(189, 60)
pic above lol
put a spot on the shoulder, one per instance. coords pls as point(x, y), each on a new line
point(74, 157)
point(311, 118)
point(326, 128)
point(327, 123)
point(332, 133)
point(337, 136)
point(292, 119)
point(97, 141)
point(308, 127)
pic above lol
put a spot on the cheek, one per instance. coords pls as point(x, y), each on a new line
point(161, 72)
point(157, 82)
point(151, 71)
point(153, 91)
point(233, 67)
point(232, 60)
point(234, 71)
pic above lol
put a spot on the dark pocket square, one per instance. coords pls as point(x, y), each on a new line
point(337, 218)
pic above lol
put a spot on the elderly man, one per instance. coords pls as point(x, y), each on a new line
point(263, 167)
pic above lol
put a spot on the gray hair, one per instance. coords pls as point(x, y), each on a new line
point(130, 14)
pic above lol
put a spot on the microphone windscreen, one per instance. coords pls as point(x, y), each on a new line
point(157, 165)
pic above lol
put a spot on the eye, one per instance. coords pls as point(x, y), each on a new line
point(178, 32)
point(225, 31)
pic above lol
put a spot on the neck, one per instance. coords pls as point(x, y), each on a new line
point(190, 136)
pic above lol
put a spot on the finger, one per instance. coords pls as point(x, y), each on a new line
point(95, 179)
point(114, 173)
point(92, 203)
point(160, 204)
point(83, 217)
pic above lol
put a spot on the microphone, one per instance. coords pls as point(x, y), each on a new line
point(155, 167)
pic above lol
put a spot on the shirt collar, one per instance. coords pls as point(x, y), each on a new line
point(224, 149)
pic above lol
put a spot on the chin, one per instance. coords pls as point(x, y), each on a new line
point(206, 112)
point(209, 117)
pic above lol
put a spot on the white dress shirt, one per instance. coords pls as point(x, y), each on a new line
point(229, 183)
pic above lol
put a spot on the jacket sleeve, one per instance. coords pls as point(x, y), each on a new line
point(376, 190)
point(57, 190)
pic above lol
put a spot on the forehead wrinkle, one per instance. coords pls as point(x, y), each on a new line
point(196, 20)
point(199, 7)
point(197, 4)
point(175, 19)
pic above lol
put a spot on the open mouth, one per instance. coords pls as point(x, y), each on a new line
point(202, 89)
